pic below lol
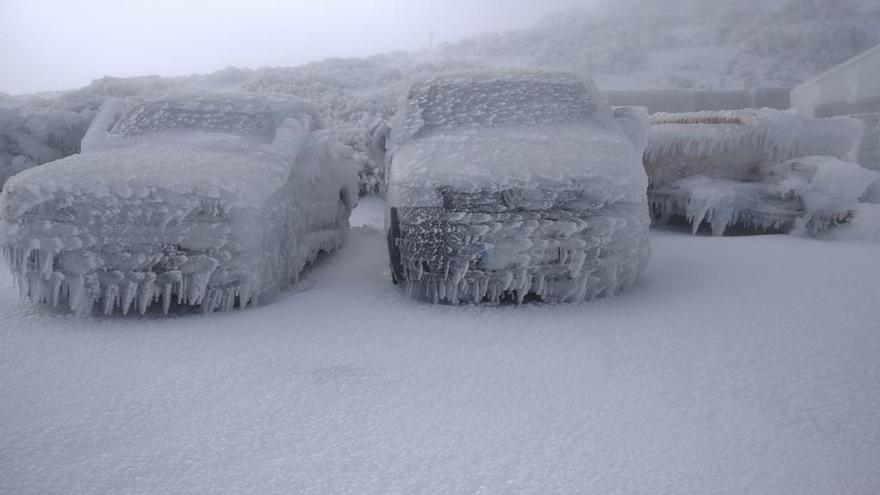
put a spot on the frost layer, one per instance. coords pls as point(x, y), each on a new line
point(505, 184)
point(218, 201)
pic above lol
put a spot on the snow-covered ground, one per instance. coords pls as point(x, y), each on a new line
point(738, 365)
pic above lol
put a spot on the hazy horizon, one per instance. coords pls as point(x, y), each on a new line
point(55, 45)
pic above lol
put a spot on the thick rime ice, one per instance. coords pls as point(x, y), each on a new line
point(505, 184)
point(807, 194)
point(723, 203)
point(735, 144)
point(724, 168)
point(217, 201)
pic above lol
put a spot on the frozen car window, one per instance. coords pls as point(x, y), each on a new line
point(216, 116)
point(503, 103)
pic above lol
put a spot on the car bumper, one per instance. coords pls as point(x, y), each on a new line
point(483, 247)
point(124, 252)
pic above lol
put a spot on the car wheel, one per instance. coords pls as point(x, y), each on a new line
point(342, 222)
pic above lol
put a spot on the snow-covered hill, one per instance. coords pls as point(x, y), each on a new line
point(709, 44)
point(627, 44)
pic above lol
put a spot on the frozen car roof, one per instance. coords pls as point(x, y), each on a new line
point(471, 99)
point(250, 116)
point(246, 172)
point(510, 129)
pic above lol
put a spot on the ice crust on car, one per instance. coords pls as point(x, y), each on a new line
point(509, 183)
point(217, 201)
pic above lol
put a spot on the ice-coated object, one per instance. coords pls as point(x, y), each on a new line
point(718, 167)
point(723, 203)
point(735, 144)
point(504, 184)
point(807, 195)
point(214, 200)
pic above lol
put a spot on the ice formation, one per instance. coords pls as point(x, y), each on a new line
point(735, 144)
point(505, 184)
point(723, 168)
point(211, 200)
point(723, 203)
point(807, 195)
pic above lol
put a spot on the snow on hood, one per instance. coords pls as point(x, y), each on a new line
point(501, 158)
point(246, 177)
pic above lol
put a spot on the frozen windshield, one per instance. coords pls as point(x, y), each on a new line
point(245, 119)
point(503, 103)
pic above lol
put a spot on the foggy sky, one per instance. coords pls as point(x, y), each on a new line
point(64, 44)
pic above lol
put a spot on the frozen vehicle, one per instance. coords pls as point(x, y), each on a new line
point(718, 167)
point(199, 199)
point(503, 185)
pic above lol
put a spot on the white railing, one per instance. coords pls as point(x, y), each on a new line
point(845, 87)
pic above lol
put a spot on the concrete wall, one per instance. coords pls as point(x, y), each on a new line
point(868, 152)
point(686, 100)
point(852, 87)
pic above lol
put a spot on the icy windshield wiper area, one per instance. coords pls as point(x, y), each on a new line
point(213, 117)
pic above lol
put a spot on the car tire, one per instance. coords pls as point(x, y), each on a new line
point(393, 249)
point(342, 222)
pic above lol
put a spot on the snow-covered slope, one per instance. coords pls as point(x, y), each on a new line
point(631, 44)
point(738, 365)
point(711, 44)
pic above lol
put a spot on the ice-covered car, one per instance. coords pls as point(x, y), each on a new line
point(217, 200)
point(718, 167)
point(507, 184)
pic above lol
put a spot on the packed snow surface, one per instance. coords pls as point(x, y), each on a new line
point(738, 365)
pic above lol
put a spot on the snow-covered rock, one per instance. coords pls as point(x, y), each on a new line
point(504, 184)
point(208, 199)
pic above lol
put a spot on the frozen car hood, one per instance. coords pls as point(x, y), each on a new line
point(551, 156)
point(246, 177)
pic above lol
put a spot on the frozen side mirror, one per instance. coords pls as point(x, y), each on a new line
point(291, 136)
point(98, 135)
